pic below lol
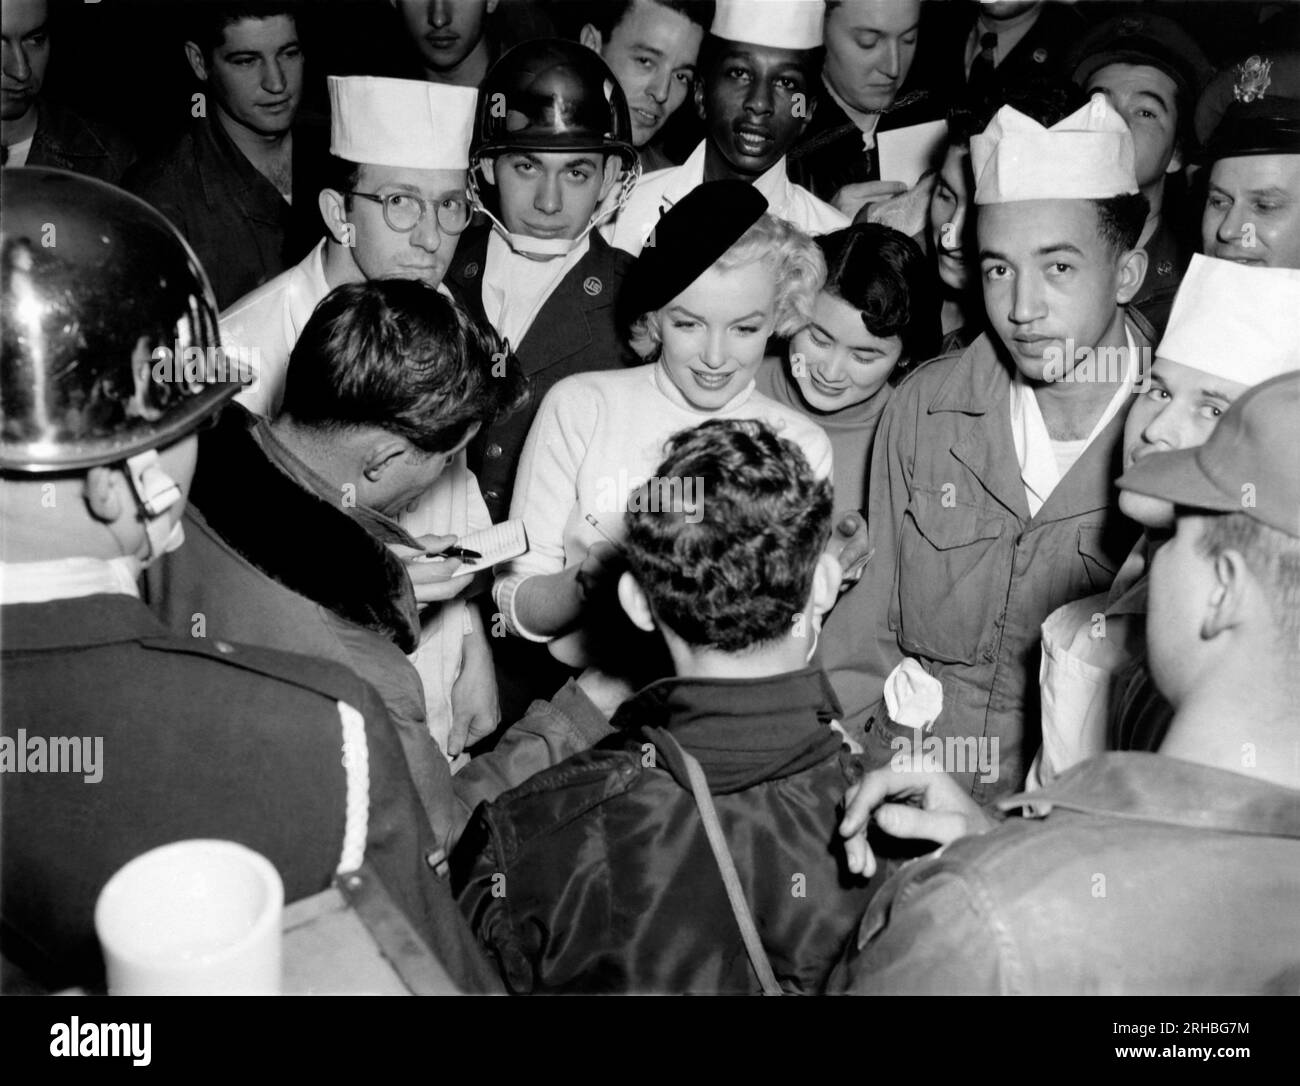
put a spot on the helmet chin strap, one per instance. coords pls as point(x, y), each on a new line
point(155, 493)
point(550, 248)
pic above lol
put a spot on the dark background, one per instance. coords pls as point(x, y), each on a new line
point(122, 60)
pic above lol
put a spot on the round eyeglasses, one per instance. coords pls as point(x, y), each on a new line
point(404, 211)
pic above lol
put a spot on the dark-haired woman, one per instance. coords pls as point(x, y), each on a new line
point(876, 316)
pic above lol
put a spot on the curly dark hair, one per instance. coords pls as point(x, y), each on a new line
point(726, 536)
point(397, 355)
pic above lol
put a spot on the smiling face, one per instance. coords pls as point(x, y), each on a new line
point(550, 194)
point(951, 222)
point(1147, 99)
point(836, 361)
point(714, 333)
point(1048, 277)
point(652, 53)
point(26, 46)
point(1179, 410)
point(255, 74)
point(755, 102)
point(870, 45)
point(1252, 211)
point(381, 252)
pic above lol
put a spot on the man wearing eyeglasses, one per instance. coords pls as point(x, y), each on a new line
point(394, 207)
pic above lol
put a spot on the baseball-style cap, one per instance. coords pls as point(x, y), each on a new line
point(1248, 465)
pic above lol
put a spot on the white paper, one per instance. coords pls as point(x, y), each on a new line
point(906, 153)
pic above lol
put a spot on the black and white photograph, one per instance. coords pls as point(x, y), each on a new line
point(649, 498)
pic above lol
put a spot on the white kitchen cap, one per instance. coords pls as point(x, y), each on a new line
point(1086, 156)
point(401, 122)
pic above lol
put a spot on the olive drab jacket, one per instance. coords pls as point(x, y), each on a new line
point(962, 576)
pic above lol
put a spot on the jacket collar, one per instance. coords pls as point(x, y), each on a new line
point(104, 619)
point(1154, 788)
point(979, 386)
point(63, 140)
point(743, 731)
point(233, 176)
point(278, 524)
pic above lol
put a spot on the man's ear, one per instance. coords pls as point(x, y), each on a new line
point(699, 96)
point(492, 6)
point(1132, 270)
point(826, 583)
point(1176, 160)
point(635, 604)
point(334, 210)
point(591, 38)
point(383, 454)
point(103, 494)
point(613, 167)
point(198, 63)
point(1230, 598)
point(489, 168)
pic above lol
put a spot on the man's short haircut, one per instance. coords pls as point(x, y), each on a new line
point(886, 276)
point(725, 539)
point(605, 15)
point(396, 355)
point(795, 260)
point(1120, 220)
point(341, 175)
point(1273, 557)
point(206, 22)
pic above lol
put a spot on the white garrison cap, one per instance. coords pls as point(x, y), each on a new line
point(1086, 156)
point(782, 24)
point(401, 122)
point(1235, 321)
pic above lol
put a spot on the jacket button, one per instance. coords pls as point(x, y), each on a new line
point(494, 451)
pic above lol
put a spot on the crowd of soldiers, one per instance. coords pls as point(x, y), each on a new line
point(896, 408)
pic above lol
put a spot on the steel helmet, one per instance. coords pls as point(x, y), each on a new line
point(110, 343)
point(552, 95)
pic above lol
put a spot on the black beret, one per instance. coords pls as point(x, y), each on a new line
point(686, 242)
point(1150, 40)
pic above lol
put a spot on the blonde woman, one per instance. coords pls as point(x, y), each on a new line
point(720, 277)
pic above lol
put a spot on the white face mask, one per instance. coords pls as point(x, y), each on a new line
point(550, 248)
point(155, 492)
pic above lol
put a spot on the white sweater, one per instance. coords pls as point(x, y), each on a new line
point(596, 438)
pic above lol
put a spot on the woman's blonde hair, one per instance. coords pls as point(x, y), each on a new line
point(796, 260)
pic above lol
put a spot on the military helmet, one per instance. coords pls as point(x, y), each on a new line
point(552, 95)
point(109, 325)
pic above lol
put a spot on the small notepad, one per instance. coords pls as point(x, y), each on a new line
point(499, 543)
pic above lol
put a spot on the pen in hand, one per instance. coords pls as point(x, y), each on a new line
point(596, 524)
